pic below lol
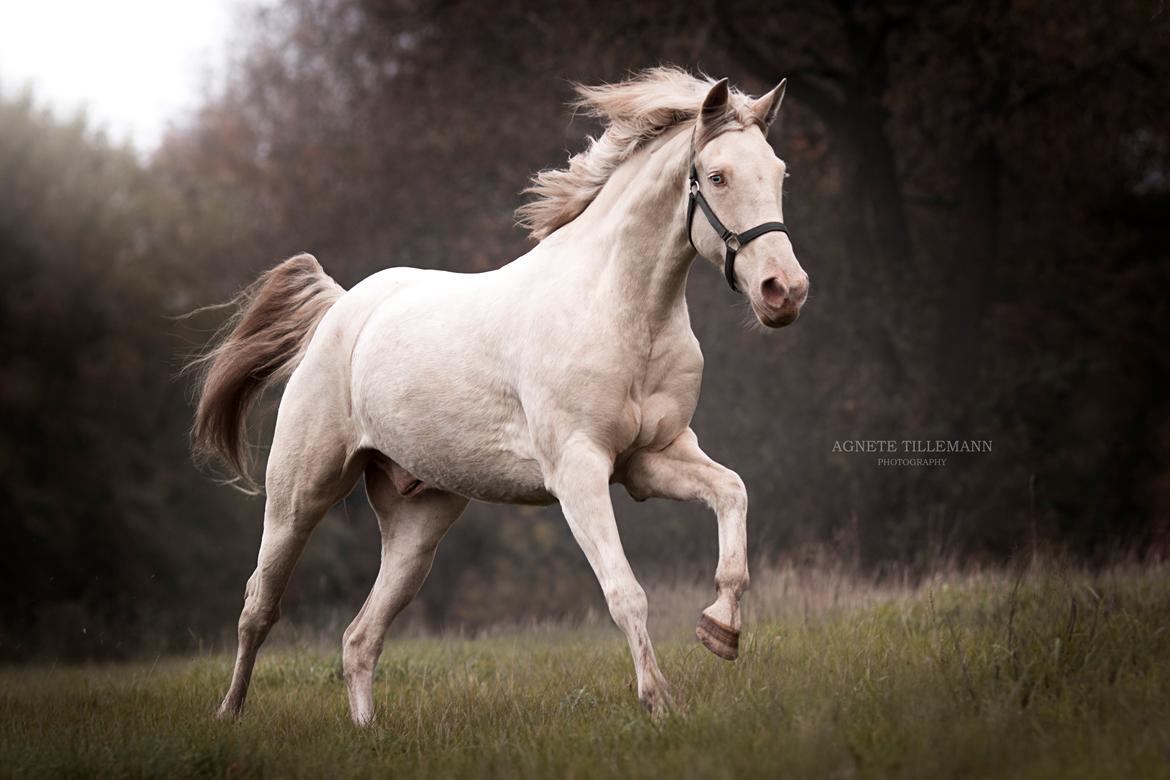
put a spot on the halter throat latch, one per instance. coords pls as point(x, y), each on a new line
point(732, 241)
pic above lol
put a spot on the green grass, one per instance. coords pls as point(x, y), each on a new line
point(1055, 674)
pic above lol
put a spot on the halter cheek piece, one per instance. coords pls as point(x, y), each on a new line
point(732, 240)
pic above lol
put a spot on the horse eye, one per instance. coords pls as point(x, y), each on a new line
point(716, 179)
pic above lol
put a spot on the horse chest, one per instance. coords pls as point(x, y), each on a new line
point(640, 403)
point(667, 400)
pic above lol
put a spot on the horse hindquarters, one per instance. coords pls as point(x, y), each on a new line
point(314, 459)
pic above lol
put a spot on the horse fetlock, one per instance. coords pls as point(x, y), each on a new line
point(731, 587)
point(362, 717)
point(725, 609)
point(655, 696)
point(229, 710)
point(360, 687)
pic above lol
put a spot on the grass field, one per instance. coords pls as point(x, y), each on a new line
point(1052, 673)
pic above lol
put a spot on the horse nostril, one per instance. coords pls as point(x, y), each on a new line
point(774, 292)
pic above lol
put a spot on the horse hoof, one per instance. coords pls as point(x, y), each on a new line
point(226, 714)
point(721, 640)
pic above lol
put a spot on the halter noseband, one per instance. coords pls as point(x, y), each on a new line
point(732, 240)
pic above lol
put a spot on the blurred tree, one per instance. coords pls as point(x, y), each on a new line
point(98, 501)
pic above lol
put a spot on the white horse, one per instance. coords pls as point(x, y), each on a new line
point(542, 381)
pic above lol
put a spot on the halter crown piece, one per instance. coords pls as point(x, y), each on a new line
point(732, 240)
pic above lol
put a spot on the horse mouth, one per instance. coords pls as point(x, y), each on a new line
point(779, 318)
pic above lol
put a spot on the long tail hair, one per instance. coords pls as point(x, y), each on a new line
point(262, 343)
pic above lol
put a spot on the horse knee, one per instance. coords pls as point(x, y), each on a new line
point(357, 656)
point(256, 620)
point(730, 494)
point(627, 604)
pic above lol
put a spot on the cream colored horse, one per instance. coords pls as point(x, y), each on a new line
point(543, 381)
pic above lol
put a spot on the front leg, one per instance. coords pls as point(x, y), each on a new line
point(683, 472)
point(580, 481)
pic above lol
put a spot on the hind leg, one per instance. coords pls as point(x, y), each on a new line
point(412, 527)
point(309, 470)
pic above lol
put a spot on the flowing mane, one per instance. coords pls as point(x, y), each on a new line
point(635, 111)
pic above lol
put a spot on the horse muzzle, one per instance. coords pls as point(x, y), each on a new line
point(778, 299)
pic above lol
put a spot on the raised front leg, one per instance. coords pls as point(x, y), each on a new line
point(683, 472)
point(581, 482)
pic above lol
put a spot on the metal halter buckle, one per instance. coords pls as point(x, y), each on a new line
point(733, 243)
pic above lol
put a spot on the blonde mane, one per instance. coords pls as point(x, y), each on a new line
point(635, 111)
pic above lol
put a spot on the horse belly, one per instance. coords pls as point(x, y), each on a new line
point(514, 483)
point(478, 464)
point(446, 426)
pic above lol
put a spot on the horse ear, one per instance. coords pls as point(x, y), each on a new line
point(766, 107)
point(715, 104)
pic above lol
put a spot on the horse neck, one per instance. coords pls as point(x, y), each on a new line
point(637, 234)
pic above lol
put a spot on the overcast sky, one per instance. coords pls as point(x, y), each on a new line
point(134, 64)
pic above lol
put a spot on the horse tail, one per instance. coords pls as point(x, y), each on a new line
point(265, 340)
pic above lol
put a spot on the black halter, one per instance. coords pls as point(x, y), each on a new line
point(732, 240)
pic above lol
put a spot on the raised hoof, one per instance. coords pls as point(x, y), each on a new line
point(721, 640)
